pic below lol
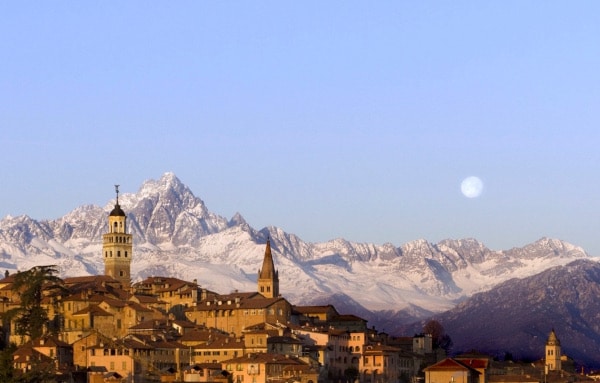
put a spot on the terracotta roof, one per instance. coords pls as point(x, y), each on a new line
point(224, 342)
point(347, 318)
point(88, 279)
point(94, 310)
point(26, 354)
point(266, 358)
point(376, 349)
point(196, 336)
point(514, 378)
point(449, 364)
point(138, 307)
point(283, 339)
point(253, 303)
point(49, 341)
point(146, 299)
point(200, 366)
point(474, 362)
point(314, 309)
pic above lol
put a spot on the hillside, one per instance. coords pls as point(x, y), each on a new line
point(517, 315)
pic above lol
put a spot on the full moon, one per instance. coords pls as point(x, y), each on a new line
point(471, 187)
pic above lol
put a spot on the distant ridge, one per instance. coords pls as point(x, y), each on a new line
point(176, 235)
point(517, 315)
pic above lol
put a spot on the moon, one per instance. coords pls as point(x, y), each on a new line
point(471, 187)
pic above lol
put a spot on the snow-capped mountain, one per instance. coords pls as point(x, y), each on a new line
point(176, 235)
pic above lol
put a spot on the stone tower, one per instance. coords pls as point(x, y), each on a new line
point(268, 277)
point(117, 246)
point(553, 353)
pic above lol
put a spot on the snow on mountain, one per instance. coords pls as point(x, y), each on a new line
point(176, 235)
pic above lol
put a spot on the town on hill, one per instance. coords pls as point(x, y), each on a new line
point(105, 328)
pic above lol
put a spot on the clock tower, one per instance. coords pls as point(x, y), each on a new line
point(117, 246)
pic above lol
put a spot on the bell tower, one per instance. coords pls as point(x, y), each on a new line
point(553, 362)
point(117, 246)
point(268, 277)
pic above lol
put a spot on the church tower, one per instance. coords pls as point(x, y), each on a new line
point(553, 353)
point(117, 246)
point(268, 277)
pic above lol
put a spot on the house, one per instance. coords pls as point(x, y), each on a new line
point(233, 313)
point(451, 370)
point(205, 372)
point(313, 315)
point(267, 367)
point(217, 348)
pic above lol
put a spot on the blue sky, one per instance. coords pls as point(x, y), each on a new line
point(328, 119)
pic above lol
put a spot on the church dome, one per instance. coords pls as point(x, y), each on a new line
point(117, 211)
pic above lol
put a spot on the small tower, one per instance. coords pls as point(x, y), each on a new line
point(553, 353)
point(268, 277)
point(117, 246)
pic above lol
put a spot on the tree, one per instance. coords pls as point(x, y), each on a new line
point(33, 286)
point(6, 363)
point(351, 374)
point(439, 337)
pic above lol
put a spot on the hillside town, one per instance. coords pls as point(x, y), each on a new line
point(104, 328)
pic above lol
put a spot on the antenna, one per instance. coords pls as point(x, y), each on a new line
point(117, 190)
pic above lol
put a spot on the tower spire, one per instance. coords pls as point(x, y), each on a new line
point(117, 191)
point(268, 277)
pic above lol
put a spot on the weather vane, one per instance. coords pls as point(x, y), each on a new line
point(117, 190)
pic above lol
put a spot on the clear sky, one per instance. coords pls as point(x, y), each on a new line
point(327, 119)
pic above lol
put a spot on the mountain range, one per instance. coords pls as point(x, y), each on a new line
point(517, 315)
point(176, 235)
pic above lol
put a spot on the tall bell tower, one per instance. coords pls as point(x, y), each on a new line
point(268, 277)
point(553, 361)
point(117, 246)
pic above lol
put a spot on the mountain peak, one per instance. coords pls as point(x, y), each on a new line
point(168, 181)
point(237, 220)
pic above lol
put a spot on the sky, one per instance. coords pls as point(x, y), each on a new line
point(340, 119)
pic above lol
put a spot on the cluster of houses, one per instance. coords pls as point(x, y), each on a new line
point(165, 329)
